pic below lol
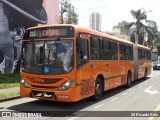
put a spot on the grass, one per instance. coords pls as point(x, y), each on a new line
point(9, 85)
point(9, 80)
point(9, 95)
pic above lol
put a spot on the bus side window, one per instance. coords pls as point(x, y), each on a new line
point(122, 51)
point(95, 48)
point(82, 51)
point(113, 51)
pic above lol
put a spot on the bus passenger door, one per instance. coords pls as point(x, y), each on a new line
point(83, 66)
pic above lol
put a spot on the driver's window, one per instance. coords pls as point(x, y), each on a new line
point(82, 51)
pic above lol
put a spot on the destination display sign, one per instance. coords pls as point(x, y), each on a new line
point(48, 32)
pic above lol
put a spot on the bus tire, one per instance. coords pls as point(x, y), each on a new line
point(98, 89)
point(129, 80)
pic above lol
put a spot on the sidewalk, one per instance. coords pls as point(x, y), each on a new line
point(11, 91)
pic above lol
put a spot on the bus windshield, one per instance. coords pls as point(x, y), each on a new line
point(47, 57)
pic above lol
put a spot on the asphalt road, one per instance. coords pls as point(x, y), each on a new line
point(125, 104)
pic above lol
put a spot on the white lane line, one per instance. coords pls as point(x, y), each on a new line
point(125, 93)
point(72, 118)
point(98, 106)
point(114, 99)
point(149, 87)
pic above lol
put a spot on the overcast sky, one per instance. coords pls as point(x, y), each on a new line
point(114, 11)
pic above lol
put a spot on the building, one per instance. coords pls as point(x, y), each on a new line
point(95, 21)
point(121, 30)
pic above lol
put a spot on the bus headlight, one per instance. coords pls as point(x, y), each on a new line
point(66, 85)
point(24, 83)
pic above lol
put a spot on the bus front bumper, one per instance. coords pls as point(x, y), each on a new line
point(48, 94)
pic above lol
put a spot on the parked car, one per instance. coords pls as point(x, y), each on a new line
point(156, 65)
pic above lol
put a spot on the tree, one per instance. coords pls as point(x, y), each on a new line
point(152, 32)
point(143, 34)
point(138, 35)
point(68, 10)
point(71, 17)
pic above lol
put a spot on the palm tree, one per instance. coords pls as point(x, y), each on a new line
point(138, 35)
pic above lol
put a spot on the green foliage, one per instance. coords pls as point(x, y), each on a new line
point(9, 78)
point(68, 10)
point(157, 42)
point(139, 15)
point(9, 95)
point(9, 85)
point(71, 17)
point(149, 30)
point(153, 34)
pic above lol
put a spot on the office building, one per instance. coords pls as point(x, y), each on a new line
point(95, 21)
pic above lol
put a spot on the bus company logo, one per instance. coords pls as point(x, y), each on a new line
point(6, 114)
point(35, 79)
point(19, 114)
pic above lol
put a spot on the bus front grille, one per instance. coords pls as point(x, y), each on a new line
point(39, 86)
point(42, 94)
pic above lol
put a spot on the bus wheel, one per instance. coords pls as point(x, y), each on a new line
point(98, 89)
point(129, 80)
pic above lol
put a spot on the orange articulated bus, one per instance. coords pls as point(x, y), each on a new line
point(68, 63)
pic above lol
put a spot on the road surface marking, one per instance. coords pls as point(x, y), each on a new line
point(125, 93)
point(72, 118)
point(157, 109)
point(151, 92)
point(99, 106)
point(150, 87)
point(114, 99)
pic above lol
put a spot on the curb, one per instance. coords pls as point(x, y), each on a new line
point(11, 98)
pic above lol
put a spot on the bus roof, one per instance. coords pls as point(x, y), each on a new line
point(141, 46)
point(84, 30)
point(89, 31)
